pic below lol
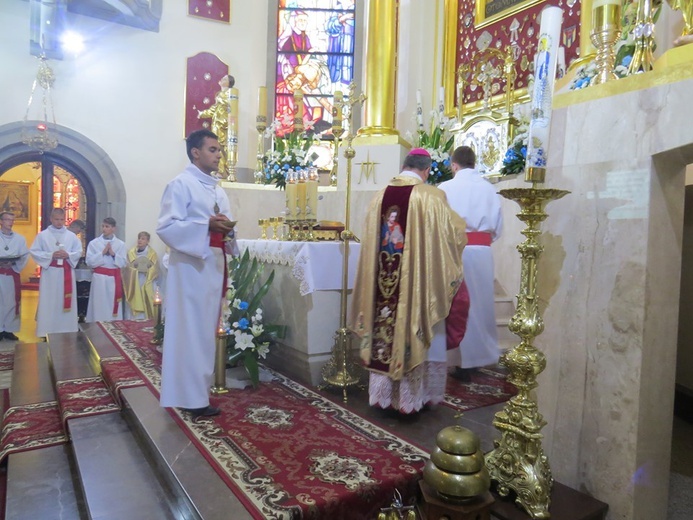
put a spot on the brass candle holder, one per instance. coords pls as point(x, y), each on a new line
point(260, 126)
point(518, 462)
point(219, 386)
point(264, 224)
point(158, 338)
point(340, 371)
point(644, 33)
point(337, 131)
point(606, 29)
point(273, 225)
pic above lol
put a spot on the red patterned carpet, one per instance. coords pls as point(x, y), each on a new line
point(284, 450)
point(487, 386)
point(6, 360)
point(30, 427)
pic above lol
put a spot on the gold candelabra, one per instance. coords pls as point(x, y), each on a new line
point(518, 462)
point(260, 126)
point(644, 33)
point(606, 29)
point(219, 386)
point(340, 371)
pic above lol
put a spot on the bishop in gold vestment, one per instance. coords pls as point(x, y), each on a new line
point(409, 273)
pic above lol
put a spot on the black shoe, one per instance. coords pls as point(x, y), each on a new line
point(462, 374)
point(2, 336)
point(207, 411)
point(9, 335)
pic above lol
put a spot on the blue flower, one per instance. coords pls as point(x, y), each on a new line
point(243, 323)
point(523, 151)
point(243, 306)
point(626, 60)
point(276, 167)
point(286, 167)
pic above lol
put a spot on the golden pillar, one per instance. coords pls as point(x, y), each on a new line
point(381, 67)
point(587, 49)
point(450, 17)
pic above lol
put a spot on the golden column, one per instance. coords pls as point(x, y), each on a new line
point(450, 16)
point(381, 65)
point(587, 49)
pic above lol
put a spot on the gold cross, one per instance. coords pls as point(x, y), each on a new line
point(367, 168)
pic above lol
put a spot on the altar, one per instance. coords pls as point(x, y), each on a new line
point(305, 297)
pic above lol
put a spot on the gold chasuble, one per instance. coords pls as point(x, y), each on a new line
point(140, 298)
point(409, 270)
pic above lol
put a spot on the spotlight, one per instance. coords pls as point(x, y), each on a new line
point(72, 42)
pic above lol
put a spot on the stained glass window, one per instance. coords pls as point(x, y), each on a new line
point(315, 54)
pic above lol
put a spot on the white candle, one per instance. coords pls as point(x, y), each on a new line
point(544, 78)
point(418, 97)
point(419, 111)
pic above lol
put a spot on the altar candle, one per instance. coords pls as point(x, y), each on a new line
point(262, 103)
point(312, 195)
point(298, 115)
point(605, 13)
point(291, 192)
point(544, 78)
point(441, 99)
point(419, 111)
point(301, 197)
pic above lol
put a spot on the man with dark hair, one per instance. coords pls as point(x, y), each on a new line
point(475, 199)
point(13, 257)
point(409, 280)
point(194, 221)
point(106, 256)
point(56, 250)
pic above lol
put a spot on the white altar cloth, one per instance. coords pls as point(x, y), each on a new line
point(316, 265)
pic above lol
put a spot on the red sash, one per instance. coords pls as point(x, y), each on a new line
point(456, 322)
point(17, 286)
point(216, 239)
point(478, 238)
point(115, 273)
point(67, 282)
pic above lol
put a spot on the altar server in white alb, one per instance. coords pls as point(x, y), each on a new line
point(56, 250)
point(13, 257)
point(475, 199)
point(106, 255)
point(194, 221)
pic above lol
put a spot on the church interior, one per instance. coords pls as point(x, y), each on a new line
point(96, 124)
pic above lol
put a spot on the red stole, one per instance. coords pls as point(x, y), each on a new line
point(391, 249)
point(115, 273)
point(17, 286)
point(456, 322)
point(67, 282)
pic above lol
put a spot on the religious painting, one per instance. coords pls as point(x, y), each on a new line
point(14, 197)
point(315, 55)
point(489, 11)
point(217, 10)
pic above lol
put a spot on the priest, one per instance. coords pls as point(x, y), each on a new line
point(139, 278)
point(409, 280)
point(56, 250)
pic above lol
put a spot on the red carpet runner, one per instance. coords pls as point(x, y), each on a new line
point(487, 386)
point(285, 451)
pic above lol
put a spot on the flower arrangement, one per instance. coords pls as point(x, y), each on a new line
point(248, 337)
point(439, 144)
point(290, 152)
point(516, 156)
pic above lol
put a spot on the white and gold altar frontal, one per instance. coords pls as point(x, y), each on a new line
point(606, 285)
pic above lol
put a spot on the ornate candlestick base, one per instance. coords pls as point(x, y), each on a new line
point(518, 462)
point(340, 370)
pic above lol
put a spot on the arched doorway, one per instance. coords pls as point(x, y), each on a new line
point(77, 175)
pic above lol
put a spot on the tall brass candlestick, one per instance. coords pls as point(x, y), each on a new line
point(260, 126)
point(518, 462)
point(337, 131)
point(219, 386)
point(340, 370)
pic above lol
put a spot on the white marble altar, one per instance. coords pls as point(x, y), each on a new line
point(305, 296)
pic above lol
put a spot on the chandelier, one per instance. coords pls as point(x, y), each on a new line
point(41, 136)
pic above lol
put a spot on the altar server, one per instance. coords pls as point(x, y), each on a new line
point(106, 256)
point(475, 199)
point(56, 250)
point(13, 257)
point(140, 279)
point(409, 280)
point(194, 220)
